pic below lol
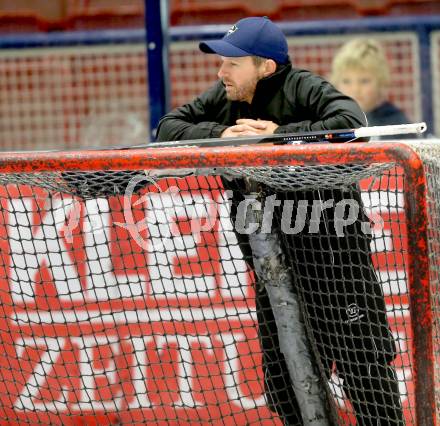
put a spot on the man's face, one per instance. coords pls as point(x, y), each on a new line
point(363, 86)
point(240, 77)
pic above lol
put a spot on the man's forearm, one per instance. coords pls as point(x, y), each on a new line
point(171, 129)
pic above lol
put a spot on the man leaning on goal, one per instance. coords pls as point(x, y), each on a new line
point(260, 93)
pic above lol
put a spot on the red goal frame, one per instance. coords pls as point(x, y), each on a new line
point(416, 211)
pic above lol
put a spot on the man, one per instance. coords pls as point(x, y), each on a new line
point(260, 93)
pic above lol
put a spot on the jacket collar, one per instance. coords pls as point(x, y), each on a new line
point(268, 86)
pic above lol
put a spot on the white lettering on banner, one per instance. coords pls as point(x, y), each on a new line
point(93, 365)
point(382, 199)
point(90, 373)
point(27, 399)
point(191, 253)
point(401, 339)
point(101, 282)
point(381, 238)
point(393, 281)
point(185, 363)
point(335, 384)
point(404, 378)
point(170, 248)
point(98, 317)
point(234, 272)
point(381, 241)
point(232, 368)
point(139, 377)
point(36, 245)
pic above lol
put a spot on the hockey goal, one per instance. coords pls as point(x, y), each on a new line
point(128, 291)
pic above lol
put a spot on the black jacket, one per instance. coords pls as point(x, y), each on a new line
point(386, 114)
point(295, 99)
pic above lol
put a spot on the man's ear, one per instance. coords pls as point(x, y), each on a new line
point(270, 67)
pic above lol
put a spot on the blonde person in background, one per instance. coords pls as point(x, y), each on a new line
point(360, 70)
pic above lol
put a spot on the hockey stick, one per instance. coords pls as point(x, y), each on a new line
point(342, 135)
point(274, 274)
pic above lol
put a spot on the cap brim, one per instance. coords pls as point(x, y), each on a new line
point(222, 48)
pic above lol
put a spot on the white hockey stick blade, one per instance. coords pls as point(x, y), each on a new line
point(394, 129)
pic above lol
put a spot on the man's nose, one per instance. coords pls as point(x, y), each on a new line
point(221, 72)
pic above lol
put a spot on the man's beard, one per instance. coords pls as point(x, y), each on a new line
point(244, 92)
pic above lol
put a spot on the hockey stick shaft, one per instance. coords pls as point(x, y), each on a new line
point(342, 135)
point(272, 272)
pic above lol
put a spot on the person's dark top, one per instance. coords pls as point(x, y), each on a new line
point(386, 114)
point(297, 100)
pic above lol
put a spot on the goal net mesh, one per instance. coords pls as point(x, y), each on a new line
point(132, 297)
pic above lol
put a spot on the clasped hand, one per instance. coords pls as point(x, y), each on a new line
point(250, 127)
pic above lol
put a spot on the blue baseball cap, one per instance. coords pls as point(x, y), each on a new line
point(254, 36)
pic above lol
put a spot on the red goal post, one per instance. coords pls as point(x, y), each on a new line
point(154, 319)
